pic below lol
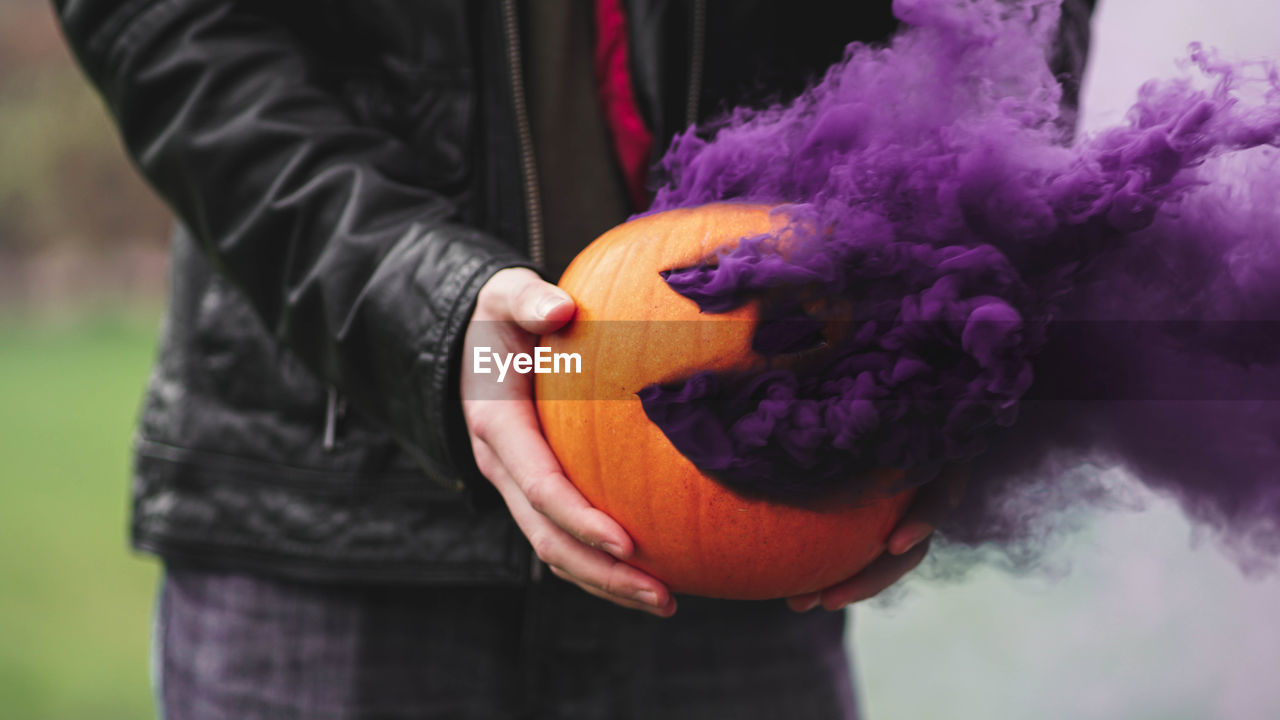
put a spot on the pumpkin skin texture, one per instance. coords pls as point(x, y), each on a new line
point(691, 532)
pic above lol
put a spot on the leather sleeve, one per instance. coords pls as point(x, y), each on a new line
point(328, 226)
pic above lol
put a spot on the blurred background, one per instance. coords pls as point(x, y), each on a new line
point(82, 269)
point(1137, 616)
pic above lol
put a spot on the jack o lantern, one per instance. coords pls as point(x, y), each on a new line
point(631, 330)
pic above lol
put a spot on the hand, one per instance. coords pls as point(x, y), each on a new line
point(905, 549)
point(578, 542)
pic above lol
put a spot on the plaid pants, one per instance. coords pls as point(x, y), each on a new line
point(242, 647)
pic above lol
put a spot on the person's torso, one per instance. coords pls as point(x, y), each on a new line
point(243, 456)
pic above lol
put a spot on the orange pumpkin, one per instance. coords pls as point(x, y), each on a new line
point(693, 533)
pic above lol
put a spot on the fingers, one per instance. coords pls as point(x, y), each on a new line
point(932, 503)
point(663, 609)
point(540, 307)
point(804, 603)
point(598, 573)
point(908, 535)
point(592, 570)
point(871, 581)
point(885, 571)
point(518, 295)
point(522, 452)
point(578, 542)
point(905, 549)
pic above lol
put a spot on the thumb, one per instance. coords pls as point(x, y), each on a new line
point(540, 307)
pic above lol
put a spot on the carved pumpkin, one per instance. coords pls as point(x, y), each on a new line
point(690, 531)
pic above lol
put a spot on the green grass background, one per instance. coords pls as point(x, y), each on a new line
point(75, 605)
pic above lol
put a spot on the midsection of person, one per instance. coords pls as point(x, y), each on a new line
point(332, 548)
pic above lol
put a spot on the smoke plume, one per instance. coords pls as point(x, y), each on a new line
point(961, 280)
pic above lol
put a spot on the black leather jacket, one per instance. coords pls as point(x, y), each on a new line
point(347, 175)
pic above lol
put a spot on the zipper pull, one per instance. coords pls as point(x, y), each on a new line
point(331, 420)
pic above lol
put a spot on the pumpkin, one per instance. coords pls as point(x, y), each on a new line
point(631, 330)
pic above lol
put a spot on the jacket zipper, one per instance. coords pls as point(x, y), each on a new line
point(696, 53)
point(528, 164)
point(528, 170)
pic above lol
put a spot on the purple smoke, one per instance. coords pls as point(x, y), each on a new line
point(960, 281)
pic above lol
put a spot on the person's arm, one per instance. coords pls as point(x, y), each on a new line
point(329, 227)
point(332, 231)
point(577, 542)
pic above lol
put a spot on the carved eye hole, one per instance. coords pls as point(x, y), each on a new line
point(784, 327)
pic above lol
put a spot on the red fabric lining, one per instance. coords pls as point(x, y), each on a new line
point(632, 140)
